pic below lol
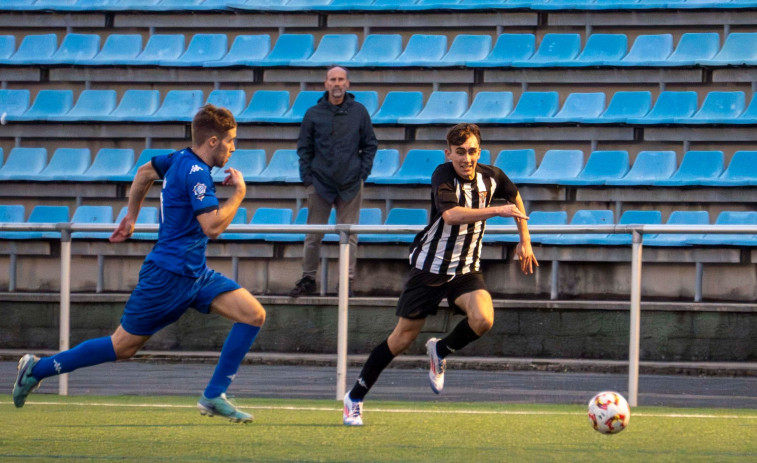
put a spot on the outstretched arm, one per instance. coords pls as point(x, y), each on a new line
point(523, 250)
point(213, 223)
point(144, 179)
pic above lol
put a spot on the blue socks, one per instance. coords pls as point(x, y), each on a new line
point(237, 345)
point(91, 352)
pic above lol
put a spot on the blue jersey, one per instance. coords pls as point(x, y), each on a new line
point(188, 191)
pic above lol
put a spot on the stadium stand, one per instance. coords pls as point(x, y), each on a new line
point(265, 106)
point(415, 169)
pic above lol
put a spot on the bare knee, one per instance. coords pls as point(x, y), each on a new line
point(482, 324)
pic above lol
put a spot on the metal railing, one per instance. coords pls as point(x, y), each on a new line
point(344, 231)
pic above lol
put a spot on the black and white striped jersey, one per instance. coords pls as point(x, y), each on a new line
point(456, 249)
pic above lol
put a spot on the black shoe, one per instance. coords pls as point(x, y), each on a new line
point(305, 286)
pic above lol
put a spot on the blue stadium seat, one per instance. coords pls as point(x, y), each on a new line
point(489, 107)
point(159, 47)
point(741, 171)
point(749, 116)
point(557, 165)
point(696, 167)
point(108, 162)
point(301, 219)
point(92, 105)
point(265, 106)
point(508, 49)
point(284, 166)
point(248, 162)
point(368, 216)
point(134, 104)
point(14, 102)
point(490, 237)
point(302, 102)
point(23, 163)
point(398, 216)
point(259, 5)
point(385, 164)
point(17, 5)
point(441, 107)
point(536, 218)
point(485, 157)
point(46, 214)
point(117, 49)
point(288, 47)
point(624, 106)
point(600, 48)
point(517, 164)
point(201, 49)
point(12, 213)
point(645, 49)
point(396, 105)
point(729, 239)
point(268, 216)
point(74, 47)
point(584, 217)
point(91, 215)
point(577, 108)
point(65, 163)
point(717, 108)
point(554, 50)
point(649, 167)
point(670, 105)
point(421, 50)
point(466, 47)
point(332, 49)
point(47, 103)
point(531, 106)
point(32, 49)
point(692, 47)
point(144, 157)
point(347, 5)
point(679, 239)
point(377, 48)
point(7, 46)
point(186, 5)
point(738, 49)
point(632, 218)
point(417, 168)
point(368, 98)
point(240, 218)
point(244, 49)
point(178, 105)
point(147, 215)
point(601, 167)
point(233, 100)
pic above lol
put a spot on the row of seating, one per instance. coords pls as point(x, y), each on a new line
point(408, 216)
point(362, 5)
point(398, 107)
point(558, 167)
point(384, 50)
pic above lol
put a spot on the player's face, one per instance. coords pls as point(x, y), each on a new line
point(224, 148)
point(336, 84)
point(464, 157)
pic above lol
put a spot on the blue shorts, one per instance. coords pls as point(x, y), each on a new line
point(161, 297)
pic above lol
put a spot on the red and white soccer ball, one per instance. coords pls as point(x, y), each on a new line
point(609, 412)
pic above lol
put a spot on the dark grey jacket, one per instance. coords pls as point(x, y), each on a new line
point(336, 147)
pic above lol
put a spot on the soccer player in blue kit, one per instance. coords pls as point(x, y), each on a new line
point(174, 276)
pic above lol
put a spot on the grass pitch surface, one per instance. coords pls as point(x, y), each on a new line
point(170, 429)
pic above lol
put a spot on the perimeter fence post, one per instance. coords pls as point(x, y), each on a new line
point(65, 300)
point(344, 281)
point(635, 320)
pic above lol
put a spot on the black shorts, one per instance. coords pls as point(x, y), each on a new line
point(424, 291)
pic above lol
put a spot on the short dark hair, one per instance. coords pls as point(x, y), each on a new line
point(458, 134)
point(211, 121)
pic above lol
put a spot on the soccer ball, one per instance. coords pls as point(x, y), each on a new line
point(609, 412)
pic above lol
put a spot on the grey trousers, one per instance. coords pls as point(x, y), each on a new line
point(347, 212)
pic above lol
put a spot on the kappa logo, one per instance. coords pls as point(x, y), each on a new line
point(195, 168)
point(199, 191)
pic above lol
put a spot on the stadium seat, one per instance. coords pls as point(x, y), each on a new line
point(396, 105)
point(240, 218)
point(624, 106)
point(332, 49)
point(421, 50)
point(536, 218)
point(577, 107)
point(632, 218)
point(489, 107)
point(441, 107)
point(147, 215)
point(7, 46)
point(178, 105)
point(692, 47)
point(532, 105)
point(32, 49)
point(417, 168)
point(398, 216)
point(517, 164)
point(601, 166)
point(288, 47)
point(14, 103)
point(92, 105)
point(649, 167)
point(159, 47)
point(92, 215)
point(12, 213)
point(301, 219)
point(47, 103)
point(45, 214)
point(645, 49)
point(368, 216)
point(729, 239)
point(268, 216)
point(749, 116)
point(108, 162)
point(377, 48)
point(265, 106)
point(144, 157)
point(584, 217)
point(244, 49)
point(65, 163)
point(368, 98)
point(600, 48)
point(557, 165)
point(739, 48)
point(284, 166)
point(466, 47)
point(741, 171)
point(385, 164)
point(233, 100)
point(135, 104)
point(302, 102)
point(508, 49)
point(554, 50)
point(670, 105)
point(717, 108)
point(490, 237)
point(117, 49)
point(202, 48)
point(696, 167)
point(679, 239)
point(485, 157)
point(74, 47)
point(248, 162)
point(347, 5)
point(23, 163)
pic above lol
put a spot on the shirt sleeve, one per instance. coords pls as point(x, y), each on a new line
point(505, 187)
point(202, 191)
point(443, 188)
point(162, 163)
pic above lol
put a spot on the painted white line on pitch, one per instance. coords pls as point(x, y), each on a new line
point(395, 410)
